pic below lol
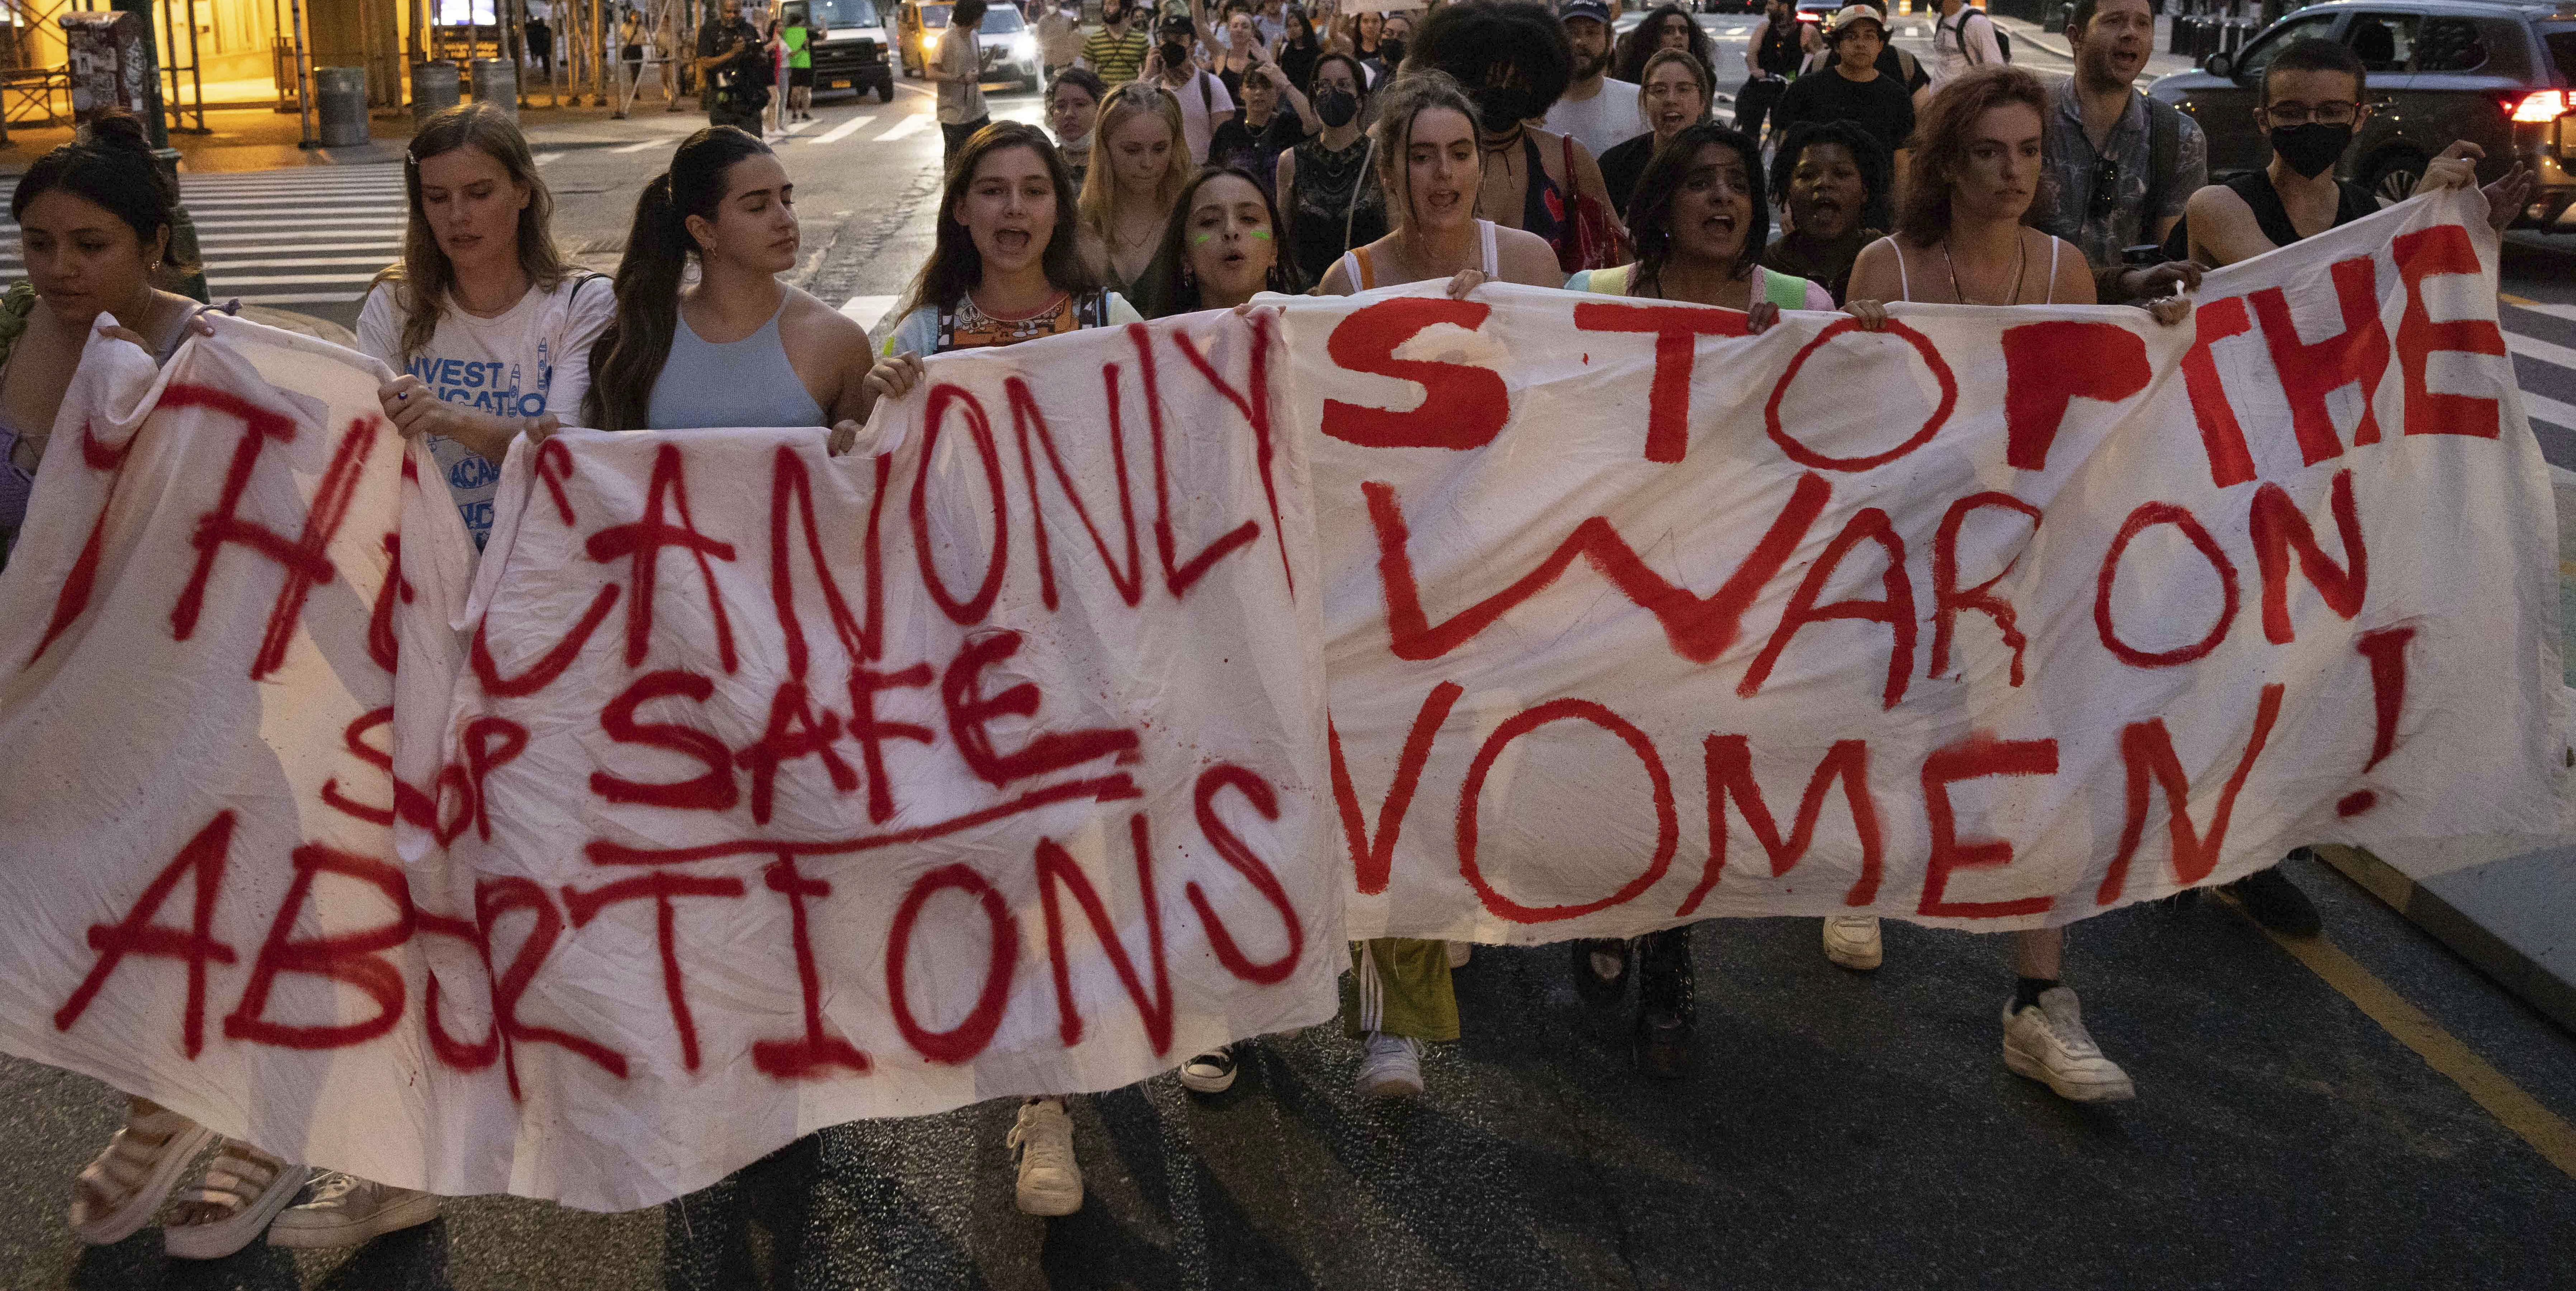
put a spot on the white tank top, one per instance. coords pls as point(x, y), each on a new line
point(1363, 276)
point(1905, 286)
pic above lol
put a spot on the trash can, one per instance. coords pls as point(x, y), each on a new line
point(433, 90)
point(496, 82)
point(340, 105)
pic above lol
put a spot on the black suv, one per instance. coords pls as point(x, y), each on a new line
point(2494, 72)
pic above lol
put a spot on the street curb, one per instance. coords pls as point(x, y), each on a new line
point(2538, 985)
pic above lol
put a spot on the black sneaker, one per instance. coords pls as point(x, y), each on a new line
point(1209, 1073)
point(1589, 982)
point(1663, 1044)
point(2276, 902)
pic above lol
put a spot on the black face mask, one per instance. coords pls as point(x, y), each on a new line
point(2311, 149)
point(1174, 54)
point(1501, 108)
point(1337, 106)
point(1391, 52)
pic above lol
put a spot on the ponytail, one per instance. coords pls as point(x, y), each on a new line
point(627, 359)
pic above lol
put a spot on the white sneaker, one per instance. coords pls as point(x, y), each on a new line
point(2047, 1042)
point(345, 1210)
point(1390, 1066)
point(1851, 940)
point(1050, 1182)
point(1459, 951)
point(1209, 1073)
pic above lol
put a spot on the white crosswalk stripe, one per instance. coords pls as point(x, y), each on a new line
point(284, 237)
point(2560, 360)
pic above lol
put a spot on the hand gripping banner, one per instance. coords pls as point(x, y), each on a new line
point(1069, 724)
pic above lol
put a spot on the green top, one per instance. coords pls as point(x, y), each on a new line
point(1784, 290)
point(798, 40)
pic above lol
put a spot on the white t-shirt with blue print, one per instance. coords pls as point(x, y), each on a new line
point(529, 361)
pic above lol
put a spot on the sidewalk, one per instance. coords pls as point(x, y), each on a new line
point(242, 139)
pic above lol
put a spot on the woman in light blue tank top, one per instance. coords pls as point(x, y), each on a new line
point(737, 348)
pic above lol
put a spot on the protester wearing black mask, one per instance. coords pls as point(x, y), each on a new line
point(1326, 194)
point(2311, 105)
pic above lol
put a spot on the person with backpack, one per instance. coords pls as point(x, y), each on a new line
point(1202, 95)
point(1854, 87)
point(2124, 164)
point(733, 70)
point(1898, 65)
point(1965, 38)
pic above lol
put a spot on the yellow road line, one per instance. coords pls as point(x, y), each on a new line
point(2511, 299)
point(2567, 568)
point(2519, 1112)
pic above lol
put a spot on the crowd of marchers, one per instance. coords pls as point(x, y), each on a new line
point(1192, 161)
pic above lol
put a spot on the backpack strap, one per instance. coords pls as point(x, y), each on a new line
point(1960, 34)
point(2164, 151)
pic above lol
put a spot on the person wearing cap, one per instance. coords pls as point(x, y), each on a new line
point(1203, 99)
point(1599, 110)
point(1894, 61)
point(1852, 88)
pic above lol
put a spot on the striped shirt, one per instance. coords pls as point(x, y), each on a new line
point(1117, 58)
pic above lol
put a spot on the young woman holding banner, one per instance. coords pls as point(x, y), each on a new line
point(95, 218)
point(739, 348)
point(1221, 250)
point(1430, 168)
point(480, 289)
point(1699, 219)
point(1965, 229)
point(1005, 267)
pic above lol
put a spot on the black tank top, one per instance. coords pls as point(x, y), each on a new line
point(1779, 54)
point(2352, 202)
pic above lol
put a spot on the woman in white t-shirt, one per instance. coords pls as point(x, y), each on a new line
point(488, 327)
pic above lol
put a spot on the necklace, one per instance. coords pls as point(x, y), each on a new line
point(2020, 243)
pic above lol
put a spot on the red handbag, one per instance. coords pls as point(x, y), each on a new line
point(1592, 238)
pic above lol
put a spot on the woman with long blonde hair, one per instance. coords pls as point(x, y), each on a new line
point(1139, 165)
point(482, 317)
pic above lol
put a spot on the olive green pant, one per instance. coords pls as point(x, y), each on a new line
point(1400, 985)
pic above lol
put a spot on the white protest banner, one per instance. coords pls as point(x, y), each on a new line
point(757, 791)
point(1997, 619)
point(752, 790)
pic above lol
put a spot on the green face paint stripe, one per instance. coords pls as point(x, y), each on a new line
point(1263, 234)
point(1202, 239)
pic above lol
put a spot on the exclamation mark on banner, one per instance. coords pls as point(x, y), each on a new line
point(2386, 650)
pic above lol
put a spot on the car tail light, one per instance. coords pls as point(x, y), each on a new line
point(2541, 106)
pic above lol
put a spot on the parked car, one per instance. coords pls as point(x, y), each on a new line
point(2494, 72)
point(850, 47)
point(1008, 47)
